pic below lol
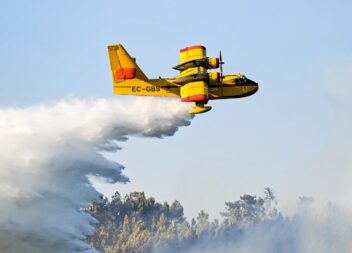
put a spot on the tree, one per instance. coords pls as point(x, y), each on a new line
point(270, 203)
point(185, 232)
point(136, 224)
point(203, 224)
point(176, 212)
point(249, 209)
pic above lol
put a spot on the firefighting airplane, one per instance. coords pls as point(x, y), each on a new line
point(193, 84)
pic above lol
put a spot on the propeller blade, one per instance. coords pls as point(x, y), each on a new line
point(221, 62)
point(221, 74)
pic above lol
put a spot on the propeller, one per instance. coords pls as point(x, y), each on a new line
point(221, 72)
point(220, 63)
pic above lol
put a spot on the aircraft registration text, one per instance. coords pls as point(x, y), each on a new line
point(147, 88)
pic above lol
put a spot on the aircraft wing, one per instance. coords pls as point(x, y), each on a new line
point(192, 53)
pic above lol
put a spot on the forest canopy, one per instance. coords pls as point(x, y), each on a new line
point(135, 223)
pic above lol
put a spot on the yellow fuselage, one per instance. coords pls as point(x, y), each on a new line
point(167, 87)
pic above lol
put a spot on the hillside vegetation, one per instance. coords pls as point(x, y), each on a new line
point(135, 223)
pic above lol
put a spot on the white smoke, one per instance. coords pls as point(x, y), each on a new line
point(325, 229)
point(313, 228)
point(47, 153)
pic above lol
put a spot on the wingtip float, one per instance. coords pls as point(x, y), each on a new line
point(193, 84)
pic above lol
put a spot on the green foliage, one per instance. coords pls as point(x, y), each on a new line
point(136, 224)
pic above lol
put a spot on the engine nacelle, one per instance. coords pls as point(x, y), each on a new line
point(213, 63)
point(214, 77)
point(206, 62)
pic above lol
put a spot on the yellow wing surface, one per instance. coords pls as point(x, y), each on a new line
point(129, 79)
point(194, 76)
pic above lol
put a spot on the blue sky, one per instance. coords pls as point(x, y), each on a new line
point(293, 135)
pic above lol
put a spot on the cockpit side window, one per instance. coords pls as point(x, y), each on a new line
point(239, 80)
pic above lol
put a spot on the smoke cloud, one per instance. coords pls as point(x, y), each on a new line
point(313, 228)
point(47, 153)
point(322, 229)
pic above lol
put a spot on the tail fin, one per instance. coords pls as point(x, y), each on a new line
point(123, 66)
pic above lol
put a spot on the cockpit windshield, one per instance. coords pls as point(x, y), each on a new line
point(240, 79)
